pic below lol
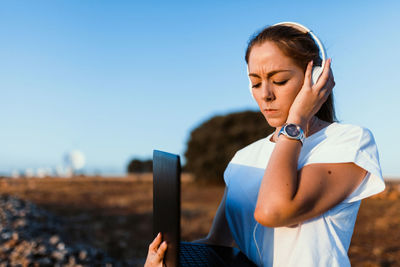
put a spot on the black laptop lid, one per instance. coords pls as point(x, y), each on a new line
point(166, 202)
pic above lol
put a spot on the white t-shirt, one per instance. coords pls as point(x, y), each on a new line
point(320, 241)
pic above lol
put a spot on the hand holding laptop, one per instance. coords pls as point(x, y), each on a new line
point(166, 219)
point(156, 252)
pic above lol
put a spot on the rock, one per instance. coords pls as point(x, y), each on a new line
point(10, 244)
point(54, 240)
point(61, 246)
point(58, 255)
point(6, 235)
point(44, 262)
point(82, 255)
point(19, 223)
point(15, 236)
point(30, 236)
point(41, 250)
point(71, 261)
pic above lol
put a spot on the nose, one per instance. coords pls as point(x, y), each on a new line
point(266, 92)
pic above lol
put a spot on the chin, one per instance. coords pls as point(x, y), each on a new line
point(275, 122)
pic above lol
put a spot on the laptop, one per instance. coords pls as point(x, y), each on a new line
point(167, 215)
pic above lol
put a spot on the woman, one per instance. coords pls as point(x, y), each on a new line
point(290, 200)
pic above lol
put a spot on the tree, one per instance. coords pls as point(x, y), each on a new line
point(140, 166)
point(213, 143)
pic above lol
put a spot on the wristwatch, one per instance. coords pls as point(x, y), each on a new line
point(293, 131)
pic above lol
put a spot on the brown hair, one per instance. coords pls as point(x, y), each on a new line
point(299, 46)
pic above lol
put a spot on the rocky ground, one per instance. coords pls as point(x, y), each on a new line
point(108, 221)
point(32, 236)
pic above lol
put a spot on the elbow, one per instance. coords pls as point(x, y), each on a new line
point(269, 217)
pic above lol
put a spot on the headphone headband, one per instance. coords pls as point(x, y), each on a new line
point(304, 29)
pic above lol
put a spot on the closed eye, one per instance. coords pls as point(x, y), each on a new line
point(256, 85)
point(281, 83)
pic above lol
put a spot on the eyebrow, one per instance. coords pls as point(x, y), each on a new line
point(270, 74)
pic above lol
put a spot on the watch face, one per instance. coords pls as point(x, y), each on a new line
point(292, 130)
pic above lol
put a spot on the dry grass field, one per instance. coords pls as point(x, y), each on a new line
point(115, 214)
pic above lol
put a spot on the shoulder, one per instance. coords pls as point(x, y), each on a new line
point(341, 143)
point(340, 135)
point(353, 138)
point(347, 132)
point(252, 147)
point(251, 151)
point(253, 155)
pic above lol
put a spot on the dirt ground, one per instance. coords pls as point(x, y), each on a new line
point(115, 214)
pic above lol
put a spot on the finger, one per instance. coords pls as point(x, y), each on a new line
point(327, 66)
point(308, 74)
point(156, 243)
point(331, 73)
point(325, 73)
point(327, 90)
point(324, 76)
point(332, 77)
point(330, 83)
point(162, 249)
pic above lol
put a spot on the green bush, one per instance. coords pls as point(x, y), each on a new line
point(140, 166)
point(212, 144)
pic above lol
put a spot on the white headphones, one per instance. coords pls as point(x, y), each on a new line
point(317, 70)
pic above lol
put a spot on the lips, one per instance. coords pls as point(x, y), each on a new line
point(270, 111)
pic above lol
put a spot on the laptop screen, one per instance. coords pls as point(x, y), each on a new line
point(166, 202)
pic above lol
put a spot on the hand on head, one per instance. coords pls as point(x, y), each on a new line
point(155, 255)
point(311, 97)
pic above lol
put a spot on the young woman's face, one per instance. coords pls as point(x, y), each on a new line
point(275, 80)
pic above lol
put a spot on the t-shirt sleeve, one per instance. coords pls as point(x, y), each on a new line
point(226, 174)
point(367, 157)
point(356, 145)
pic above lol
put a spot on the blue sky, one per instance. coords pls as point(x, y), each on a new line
point(117, 79)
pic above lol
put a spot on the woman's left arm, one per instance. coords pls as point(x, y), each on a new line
point(288, 196)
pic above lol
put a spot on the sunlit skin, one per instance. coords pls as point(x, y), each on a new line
point(275, 81)
point(155, 254)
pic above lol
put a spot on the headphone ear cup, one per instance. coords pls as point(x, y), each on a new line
point(316, 73)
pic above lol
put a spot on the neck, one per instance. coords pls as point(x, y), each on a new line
point(313, 126)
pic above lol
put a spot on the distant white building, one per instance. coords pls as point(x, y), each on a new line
point(29, 173)
point(75, 160)
point(15, 174)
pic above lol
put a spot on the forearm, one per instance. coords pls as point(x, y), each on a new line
point(280, 176)
point(280, 181)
